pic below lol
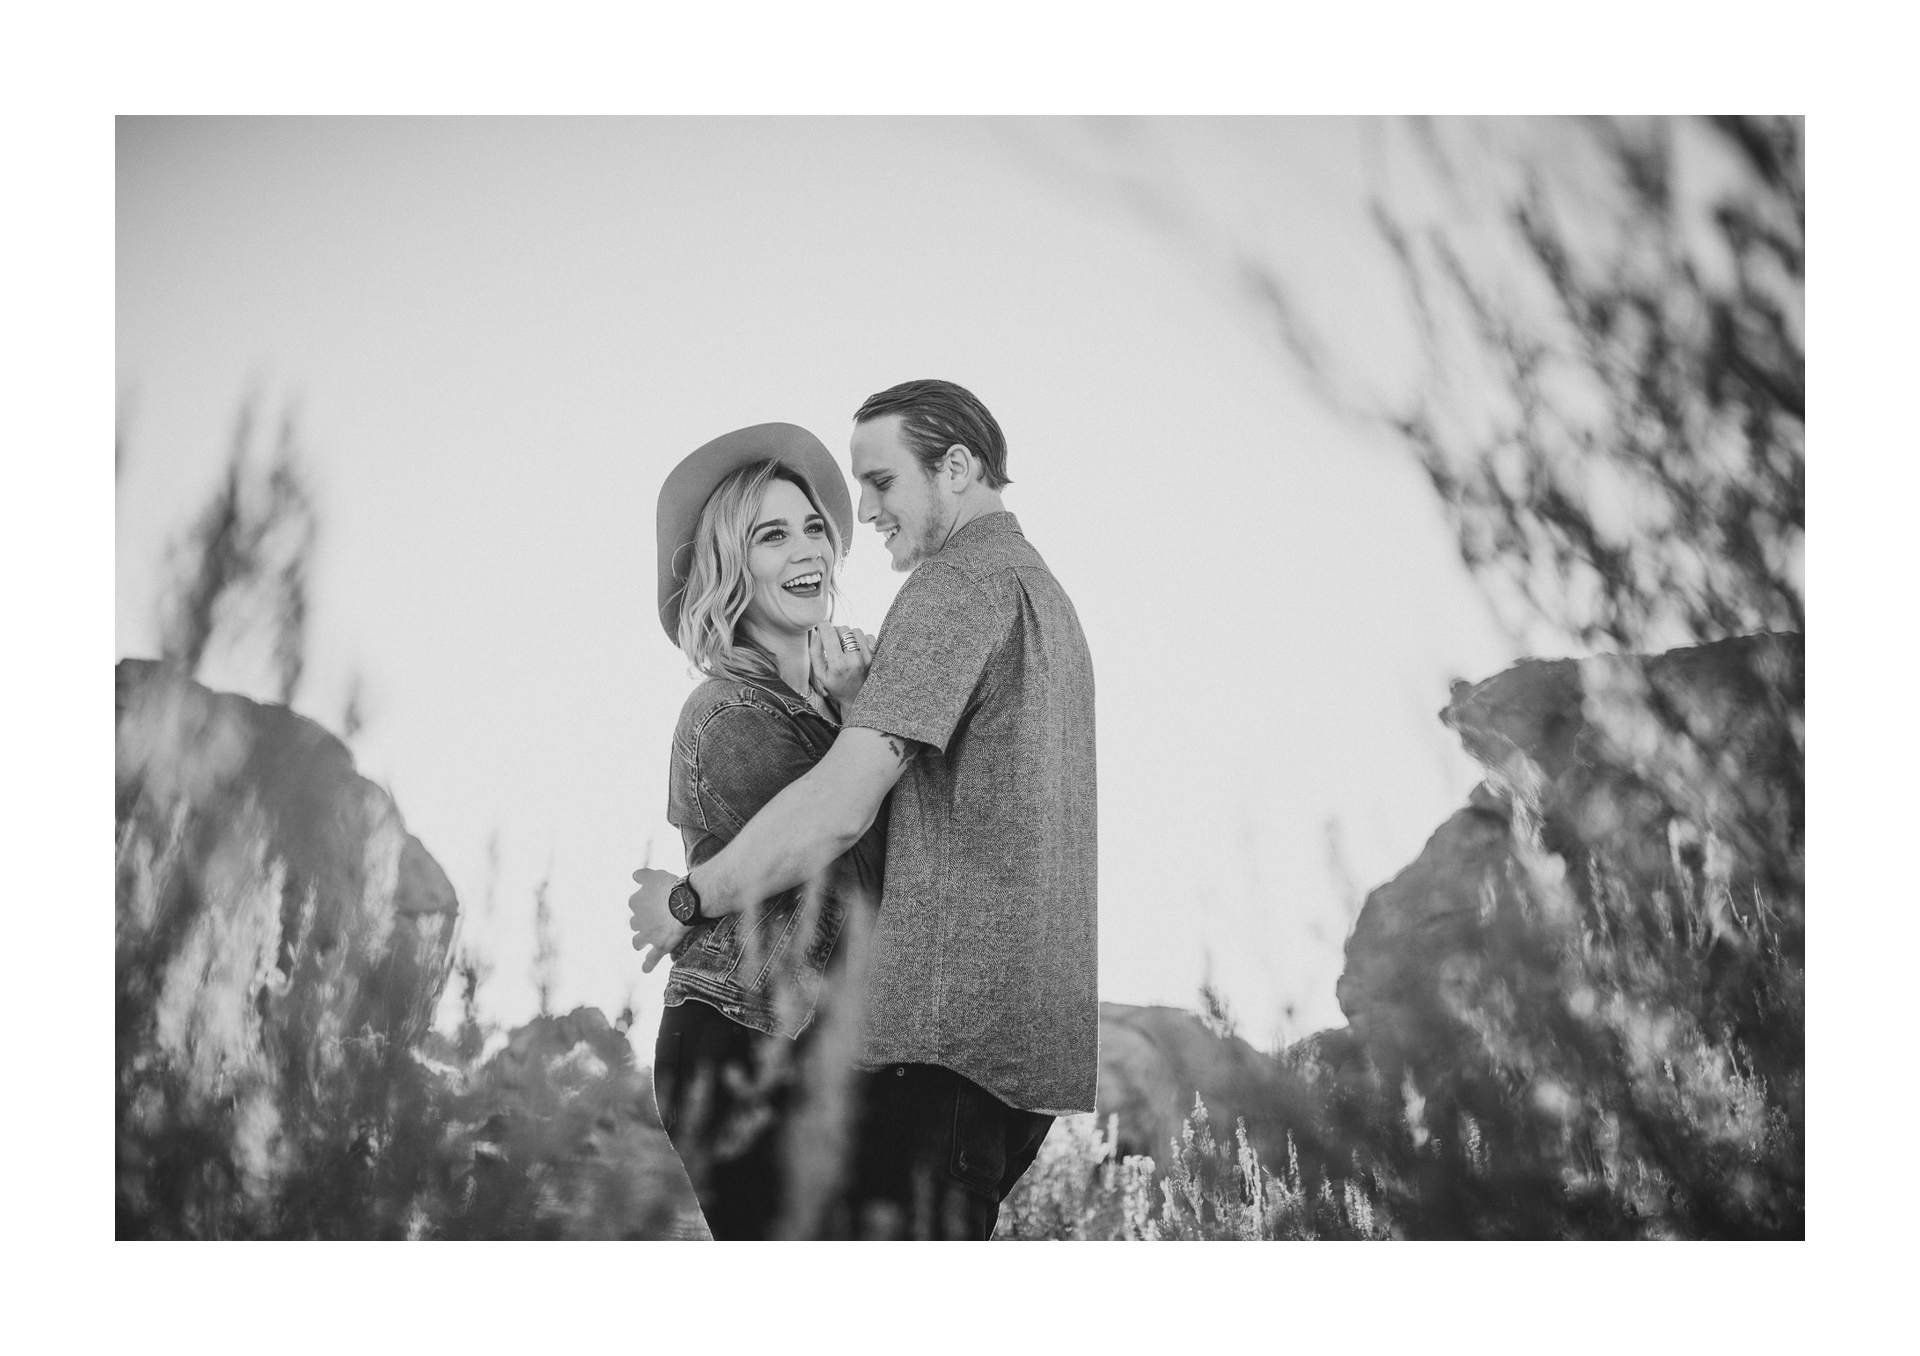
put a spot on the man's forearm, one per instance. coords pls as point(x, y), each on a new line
point(794, 838)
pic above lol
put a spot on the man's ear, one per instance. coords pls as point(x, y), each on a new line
point(959, 468)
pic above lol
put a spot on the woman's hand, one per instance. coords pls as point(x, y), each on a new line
point(838, 671)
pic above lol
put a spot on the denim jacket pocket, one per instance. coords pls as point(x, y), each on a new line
point(767, 941)
point(721, 949)
point(715, 950)
point(827, 929)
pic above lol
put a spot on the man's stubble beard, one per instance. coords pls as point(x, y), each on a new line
point(932, 537)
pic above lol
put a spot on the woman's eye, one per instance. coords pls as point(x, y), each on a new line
point(775, 535)
point(816, 529)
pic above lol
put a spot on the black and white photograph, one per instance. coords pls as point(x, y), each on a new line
point(1018, 678)
point(825, 630)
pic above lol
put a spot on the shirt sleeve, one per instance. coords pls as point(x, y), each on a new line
point(744, 756)
point(933, 651)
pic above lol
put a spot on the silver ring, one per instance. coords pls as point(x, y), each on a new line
point(848, 642)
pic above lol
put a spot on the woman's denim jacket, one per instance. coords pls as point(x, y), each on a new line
point(736, 746)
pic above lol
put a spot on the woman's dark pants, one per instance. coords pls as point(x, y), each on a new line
point(724, 1091)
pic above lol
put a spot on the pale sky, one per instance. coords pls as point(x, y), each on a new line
point(498, 336)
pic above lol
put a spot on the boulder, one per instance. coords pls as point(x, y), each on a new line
point(1681, 770)
point(1154, 1060)
point(278, 937)
point(1391, 989)
point(1610, 751)
point(1580, 1011)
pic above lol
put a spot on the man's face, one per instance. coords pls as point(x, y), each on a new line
point(896, 496)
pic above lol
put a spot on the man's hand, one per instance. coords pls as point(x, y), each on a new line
point(652, 925)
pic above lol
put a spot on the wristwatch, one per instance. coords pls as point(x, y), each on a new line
point(683, 902)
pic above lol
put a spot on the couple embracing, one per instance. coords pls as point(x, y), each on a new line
point(883, 984)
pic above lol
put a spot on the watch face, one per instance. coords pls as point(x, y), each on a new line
point(683, 903)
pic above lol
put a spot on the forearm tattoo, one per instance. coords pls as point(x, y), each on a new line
point(903, 749)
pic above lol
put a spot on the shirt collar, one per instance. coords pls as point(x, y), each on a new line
point(995, 524)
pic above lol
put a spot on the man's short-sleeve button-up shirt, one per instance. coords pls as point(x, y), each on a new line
point(984, 957)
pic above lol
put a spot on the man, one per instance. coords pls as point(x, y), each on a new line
point(982, 1016)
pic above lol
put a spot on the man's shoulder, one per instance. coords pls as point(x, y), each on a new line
point(937, 583)
point(1008, 571)
point(983, 561)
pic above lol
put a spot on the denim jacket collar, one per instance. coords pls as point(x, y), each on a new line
point(791, 701)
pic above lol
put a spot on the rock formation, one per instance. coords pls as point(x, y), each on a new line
point(1681, 771)
point(278, 935)
point(1153, 1060)
point(1580, 1011)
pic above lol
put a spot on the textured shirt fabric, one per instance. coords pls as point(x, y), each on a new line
point(736, 746)
point(983, 956)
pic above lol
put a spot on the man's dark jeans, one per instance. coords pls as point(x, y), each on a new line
point(934, 1156)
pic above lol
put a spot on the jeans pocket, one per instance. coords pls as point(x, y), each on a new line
point(979, 1140)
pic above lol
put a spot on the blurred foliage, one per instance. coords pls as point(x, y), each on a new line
point(1613, 411)
point(546, 947)
point(280, 943)
point(1613, 1062)
point(278, 936)
point(1579, 1014)
point(552, 1134)
point(1614, 1067)
point(1601, 369)
point(247, 559)
point(1621, 1110)
point(1611, 1042)
point(1080, 1189)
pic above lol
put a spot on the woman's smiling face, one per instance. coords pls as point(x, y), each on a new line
point(790, 560)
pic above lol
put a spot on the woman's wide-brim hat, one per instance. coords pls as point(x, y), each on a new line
point(690, 484)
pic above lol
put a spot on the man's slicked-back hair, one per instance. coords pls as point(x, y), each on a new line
point(935, 416)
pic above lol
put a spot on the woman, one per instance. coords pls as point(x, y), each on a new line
point(752, 530)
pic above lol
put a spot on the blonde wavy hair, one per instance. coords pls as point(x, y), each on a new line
point(718, 589)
